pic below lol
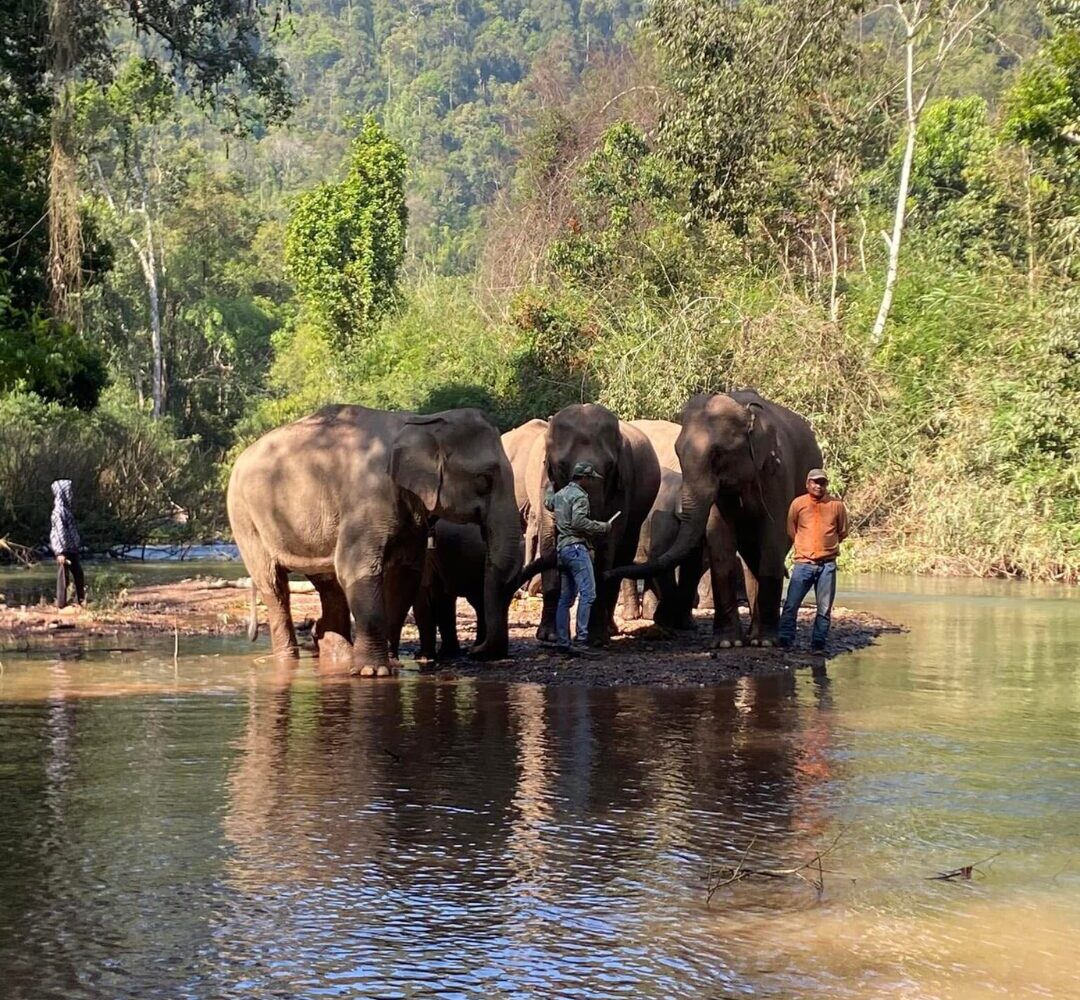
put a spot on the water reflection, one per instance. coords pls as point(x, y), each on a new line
point(227, 829)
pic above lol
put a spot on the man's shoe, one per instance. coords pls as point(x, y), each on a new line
point(817, 647)
point(586, 652)
point(784, 643)
point(567, 651)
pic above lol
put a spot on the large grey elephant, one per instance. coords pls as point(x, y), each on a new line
point(744, 459)
point(346, 497)
point(455, 566)
point(588, 432)
point(675, 595)
point(519, 445)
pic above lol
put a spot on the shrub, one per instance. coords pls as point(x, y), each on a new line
point(133, 480)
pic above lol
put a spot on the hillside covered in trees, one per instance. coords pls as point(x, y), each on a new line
point(216, 216)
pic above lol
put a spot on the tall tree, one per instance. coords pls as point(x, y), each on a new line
point(217, 49)
point(346, 241)
point(122, 136)
point(932, 31)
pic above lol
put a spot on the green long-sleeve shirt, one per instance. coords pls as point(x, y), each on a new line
point(572, 522)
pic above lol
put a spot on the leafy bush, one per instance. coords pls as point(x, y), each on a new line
point(133, 480)
point(48, 359)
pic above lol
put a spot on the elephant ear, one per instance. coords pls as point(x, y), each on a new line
point(416, 463)
point(761, 436)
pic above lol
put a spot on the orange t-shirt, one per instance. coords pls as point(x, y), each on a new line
point(817, 527)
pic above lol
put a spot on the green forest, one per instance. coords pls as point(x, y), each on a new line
point(216, 216)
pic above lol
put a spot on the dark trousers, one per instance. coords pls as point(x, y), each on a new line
point(822, 577)
point(71, 570)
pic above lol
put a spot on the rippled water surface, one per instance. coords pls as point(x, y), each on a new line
point(221, 828)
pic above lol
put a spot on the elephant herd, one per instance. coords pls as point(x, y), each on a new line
point(389, 512)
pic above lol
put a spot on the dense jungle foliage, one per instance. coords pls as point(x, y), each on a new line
point(517, 204)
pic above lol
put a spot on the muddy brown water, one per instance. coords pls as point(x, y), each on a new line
point(217, 827)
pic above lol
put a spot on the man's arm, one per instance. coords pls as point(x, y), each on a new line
point(580, 522)
point(549, 499)
point(842, 521)
point(793, 518)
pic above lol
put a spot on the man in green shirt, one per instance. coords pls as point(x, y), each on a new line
point(575, 530)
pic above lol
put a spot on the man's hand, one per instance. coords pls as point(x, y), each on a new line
point(61, 560)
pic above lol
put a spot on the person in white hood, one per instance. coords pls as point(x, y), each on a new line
point(65, 542)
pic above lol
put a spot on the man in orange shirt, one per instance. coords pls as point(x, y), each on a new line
point(817, 524)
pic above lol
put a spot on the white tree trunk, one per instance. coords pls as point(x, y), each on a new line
point(148, 262)
point(901, 194)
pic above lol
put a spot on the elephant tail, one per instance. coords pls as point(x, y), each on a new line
point(253, 614)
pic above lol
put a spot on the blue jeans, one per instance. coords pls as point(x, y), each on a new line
point(576, 579)
point(822, 577)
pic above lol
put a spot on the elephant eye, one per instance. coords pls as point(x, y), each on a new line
point(484, 482)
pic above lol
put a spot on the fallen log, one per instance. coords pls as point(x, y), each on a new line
point(244, 583)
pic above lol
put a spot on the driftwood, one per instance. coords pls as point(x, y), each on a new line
point(244, 583)
point(963, 873)
point(21, 554)
point(811, 871)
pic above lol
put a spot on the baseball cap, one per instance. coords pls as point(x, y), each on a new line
point(816, 474)
point(585, 470)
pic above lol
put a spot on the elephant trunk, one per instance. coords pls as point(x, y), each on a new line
point(502, 533)
point(538, 565)
point(695, 516)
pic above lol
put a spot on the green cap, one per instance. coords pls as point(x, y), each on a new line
point(817, 476)
point(585, 470)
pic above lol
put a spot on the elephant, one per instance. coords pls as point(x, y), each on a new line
point(744, 459)
point(346, 496)
point(588, 432)
point(519, 445)
point(455, 569)
point(675, 596)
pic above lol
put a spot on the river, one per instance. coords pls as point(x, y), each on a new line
point(215, 826)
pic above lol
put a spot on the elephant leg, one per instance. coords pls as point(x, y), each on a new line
point(359, 569)
point(426, 613)
point(704, 591)
point(481, 619)
point(400, 586)
point(446, 616)
point(630, 601)
point(764, 586)
point(333, 630)
point(649, 604)
point(549, 582)
point(675, 603)
point(273, 589)
point(723, 564)
point(602, 617)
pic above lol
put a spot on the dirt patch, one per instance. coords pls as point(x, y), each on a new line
point(190, 607)
point(645, 655)
point(641, 655)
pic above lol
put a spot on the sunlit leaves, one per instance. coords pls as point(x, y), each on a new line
point(346, 240)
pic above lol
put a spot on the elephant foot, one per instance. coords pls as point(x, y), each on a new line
point(546, 633)
point(765, 643)
point(449, 652)
point(489, 651)
point(370, 670)
point(725, 643)
point(680, 623)
point(656, 631)
point(333, 646)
